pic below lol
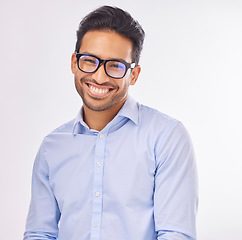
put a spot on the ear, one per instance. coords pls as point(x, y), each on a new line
point(135, 74)
point(73, 63)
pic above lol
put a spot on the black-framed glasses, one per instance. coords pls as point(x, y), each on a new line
point(114, 68)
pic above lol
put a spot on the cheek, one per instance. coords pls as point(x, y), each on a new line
point(78, 76)
point(78, 82)
point(124, 83)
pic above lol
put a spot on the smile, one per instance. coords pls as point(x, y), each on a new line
point(99, 90)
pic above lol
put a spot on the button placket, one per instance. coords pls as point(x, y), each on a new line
point(98, 186)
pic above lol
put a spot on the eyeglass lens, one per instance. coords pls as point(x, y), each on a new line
point(90, 64)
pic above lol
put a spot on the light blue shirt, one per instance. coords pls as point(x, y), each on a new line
point(134, 180)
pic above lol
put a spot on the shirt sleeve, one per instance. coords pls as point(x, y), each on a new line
point(44, 214)
point(176, 186)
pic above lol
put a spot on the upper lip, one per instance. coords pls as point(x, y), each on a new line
point(103, 86)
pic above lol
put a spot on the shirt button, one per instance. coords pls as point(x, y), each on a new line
point(99, 164)
point(95, 225)
point(97, 194)
point(101, 135)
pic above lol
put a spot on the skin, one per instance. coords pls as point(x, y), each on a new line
point(102, 95)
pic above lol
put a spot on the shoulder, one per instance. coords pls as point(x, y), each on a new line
point(152, 117)
point(160, 126)
point(62, 130)
point(57, 139)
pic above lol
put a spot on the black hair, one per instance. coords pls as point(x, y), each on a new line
point(113, 19)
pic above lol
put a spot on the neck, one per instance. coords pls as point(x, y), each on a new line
point(97, 120)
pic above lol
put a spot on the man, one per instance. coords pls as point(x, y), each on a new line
point(119, 170)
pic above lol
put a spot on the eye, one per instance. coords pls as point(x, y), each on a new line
point(89, 60)
point(117, 65)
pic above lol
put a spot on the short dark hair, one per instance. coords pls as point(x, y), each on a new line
point(113, 19)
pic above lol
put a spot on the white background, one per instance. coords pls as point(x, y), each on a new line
point(191, 70)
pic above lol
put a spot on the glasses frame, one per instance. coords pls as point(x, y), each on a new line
point(104, 62)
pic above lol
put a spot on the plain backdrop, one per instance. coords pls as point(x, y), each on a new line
point(191, 70)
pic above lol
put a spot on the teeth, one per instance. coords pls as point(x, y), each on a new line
point(98, 90)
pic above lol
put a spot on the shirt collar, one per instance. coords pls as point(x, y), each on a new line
point(129, 110)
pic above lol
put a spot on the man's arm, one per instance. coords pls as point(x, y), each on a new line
point(44, 214)
point(175, 196)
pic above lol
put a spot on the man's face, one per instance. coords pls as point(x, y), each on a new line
point(98, 91)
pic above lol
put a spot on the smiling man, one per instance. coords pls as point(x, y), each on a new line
point(120, 170)
point(103, 84)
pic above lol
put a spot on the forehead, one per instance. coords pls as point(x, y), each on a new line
point(106, 45)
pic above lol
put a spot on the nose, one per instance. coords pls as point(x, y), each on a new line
point(100, 75)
